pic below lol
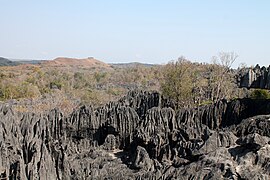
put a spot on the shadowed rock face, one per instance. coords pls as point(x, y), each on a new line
point(255, 77)
point(138, 137)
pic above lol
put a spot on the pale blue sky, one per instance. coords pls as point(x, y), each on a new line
point(150, 31)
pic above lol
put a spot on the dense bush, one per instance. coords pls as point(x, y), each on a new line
point(260, 94)
point(191, 84)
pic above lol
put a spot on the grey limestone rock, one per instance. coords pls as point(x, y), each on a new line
point(257, 77)
point(138, 137)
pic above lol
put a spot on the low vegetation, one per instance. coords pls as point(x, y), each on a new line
point(187, 84)
point(84, 86)
point(260, 94)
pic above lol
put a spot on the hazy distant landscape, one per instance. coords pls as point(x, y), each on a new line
point(93, 82)
point(150, 121)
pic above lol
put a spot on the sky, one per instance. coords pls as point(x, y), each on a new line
point(148, 31)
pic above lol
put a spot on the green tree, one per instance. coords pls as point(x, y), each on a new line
point(177, 82)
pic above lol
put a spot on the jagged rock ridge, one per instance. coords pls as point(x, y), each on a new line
point(257, 77)
point(138, 137)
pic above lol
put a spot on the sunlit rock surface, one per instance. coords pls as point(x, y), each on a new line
point(138, 137)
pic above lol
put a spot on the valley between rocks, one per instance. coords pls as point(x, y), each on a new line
point(140, 136)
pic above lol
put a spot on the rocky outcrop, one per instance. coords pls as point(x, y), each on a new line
point(257, 77)
point(138, 137)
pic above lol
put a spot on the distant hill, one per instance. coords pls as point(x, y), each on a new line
point(73, 62)
point(132, 64)
point(30, 61)
point(7, 62)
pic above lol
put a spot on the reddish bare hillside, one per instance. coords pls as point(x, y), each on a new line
point(83, 63)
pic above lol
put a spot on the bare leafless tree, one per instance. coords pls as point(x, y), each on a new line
point(223, 63)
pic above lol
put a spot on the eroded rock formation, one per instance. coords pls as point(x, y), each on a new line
point(138, 137)
point(257, 77)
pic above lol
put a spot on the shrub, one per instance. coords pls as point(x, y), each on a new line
point(177, 82)
point(56, 85)
point(260, 94)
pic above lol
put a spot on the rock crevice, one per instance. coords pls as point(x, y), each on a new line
point(138, 137)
